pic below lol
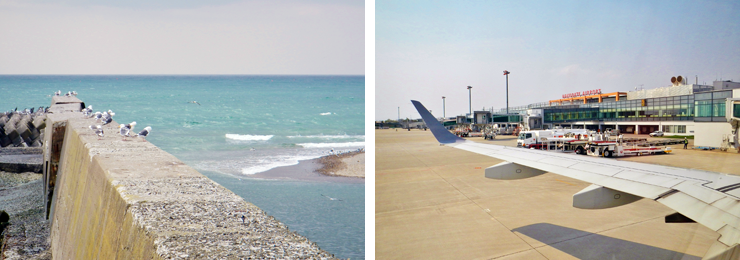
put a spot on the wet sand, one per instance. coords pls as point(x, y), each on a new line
point(308, 171)
point(350, 164)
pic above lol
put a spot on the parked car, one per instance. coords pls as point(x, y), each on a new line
point(656, 133)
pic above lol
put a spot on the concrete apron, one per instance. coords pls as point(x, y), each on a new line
point(115, 199)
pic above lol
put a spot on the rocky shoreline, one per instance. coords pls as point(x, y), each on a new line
point(27, 236)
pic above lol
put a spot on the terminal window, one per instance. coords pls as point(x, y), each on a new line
point(678, 129)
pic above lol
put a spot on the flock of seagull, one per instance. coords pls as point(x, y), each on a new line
point(106, 117)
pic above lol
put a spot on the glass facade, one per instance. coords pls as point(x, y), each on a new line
point(679, 129)
point(710, 106)
point(677, 108)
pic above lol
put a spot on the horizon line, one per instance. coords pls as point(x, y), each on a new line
point(182, 74)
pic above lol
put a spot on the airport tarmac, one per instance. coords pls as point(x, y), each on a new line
point(433, 202)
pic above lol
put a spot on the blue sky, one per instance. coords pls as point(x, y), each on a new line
point(426, 50)
point(182, 37)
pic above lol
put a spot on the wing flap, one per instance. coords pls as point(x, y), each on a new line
point(651, 179)
point(709, 216)
point(695, 190)
point(729, 204)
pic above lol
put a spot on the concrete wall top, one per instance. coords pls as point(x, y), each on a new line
point(128, 199)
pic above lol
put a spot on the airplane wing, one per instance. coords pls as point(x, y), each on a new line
point(709, 198)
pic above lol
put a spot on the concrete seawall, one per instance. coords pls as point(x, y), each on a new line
point(115, 199)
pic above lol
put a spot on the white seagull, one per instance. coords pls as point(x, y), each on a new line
point(131, 126)
point(145, 132)
point(98, 130)
point(124, 131)
point(87, 111)
point(107, 117)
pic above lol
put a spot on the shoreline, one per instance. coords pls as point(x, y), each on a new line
point(27, 236)
point(309, 170)
point(351, 165)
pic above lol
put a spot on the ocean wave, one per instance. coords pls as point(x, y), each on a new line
point(271, 165)
point(328, 136)
point(332, 145)
point(326, 114)
point(249, 137)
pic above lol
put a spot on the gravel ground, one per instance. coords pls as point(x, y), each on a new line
point(27, 236)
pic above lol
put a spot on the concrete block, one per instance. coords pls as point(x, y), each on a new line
point(23, 130)
point(10, 131)
point(27, 142)
point(5, 141)
point(16, 141)
point(32, 129)
point(26, 118)
point(13, 120)
point(39, 122)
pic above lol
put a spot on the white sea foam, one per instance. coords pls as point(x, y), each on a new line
point(329, 136)
point(326, 114)
point(332, 145)
point(249, 137)
point(274, 164)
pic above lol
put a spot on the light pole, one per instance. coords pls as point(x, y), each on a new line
point(399, 117)
point(506, 73)
point(443, 108)
point(470, 100)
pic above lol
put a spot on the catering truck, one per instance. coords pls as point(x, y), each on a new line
point(535, 139)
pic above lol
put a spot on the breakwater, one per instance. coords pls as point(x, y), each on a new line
point(113, 199)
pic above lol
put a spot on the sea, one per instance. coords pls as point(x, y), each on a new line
point(232, 128)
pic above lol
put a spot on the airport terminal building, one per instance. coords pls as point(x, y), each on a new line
point(680, 109)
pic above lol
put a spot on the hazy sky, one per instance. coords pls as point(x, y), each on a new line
point(182, 37)
point(426, 50)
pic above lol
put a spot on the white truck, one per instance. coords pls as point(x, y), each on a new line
point(535, 139)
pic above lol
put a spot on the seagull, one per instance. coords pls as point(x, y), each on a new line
point(98, 130)
point(145, 132)
point(124, 131)
point(194, 102)
point(107, 117)
point(58, 93)
point(87, 111)
point(107, 120)
point(97, 115)
point(131, 126)
point(330, 198)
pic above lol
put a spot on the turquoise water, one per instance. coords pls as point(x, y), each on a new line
point(242, 125)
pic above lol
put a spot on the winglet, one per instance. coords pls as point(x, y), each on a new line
point(439, 131)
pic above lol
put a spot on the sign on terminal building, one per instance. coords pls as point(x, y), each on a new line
point(584, 93)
